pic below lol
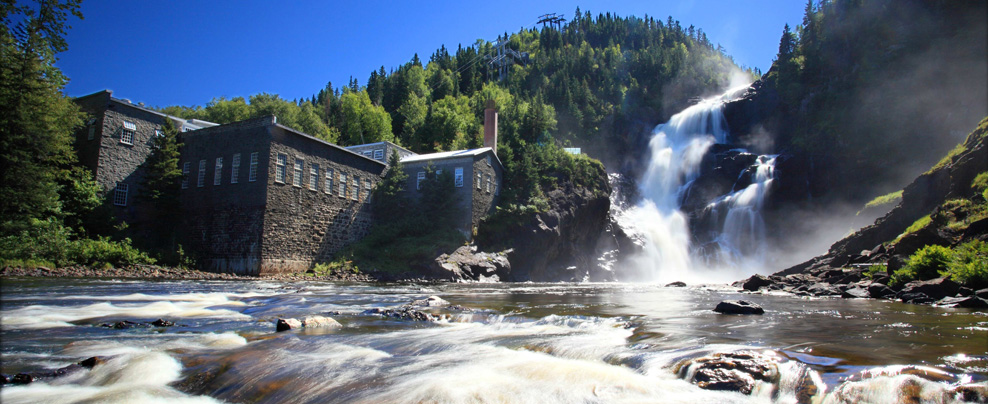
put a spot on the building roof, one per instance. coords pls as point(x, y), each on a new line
point(379, 143)
point(274, 121)
point(450, 154)
point(191, 123)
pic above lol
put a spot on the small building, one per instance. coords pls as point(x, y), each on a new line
point(262, 198)
point(114, 144)
point(380, 151)
point(477, 179)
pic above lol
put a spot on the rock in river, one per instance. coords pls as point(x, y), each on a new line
point(285, 324)
point(738, 307)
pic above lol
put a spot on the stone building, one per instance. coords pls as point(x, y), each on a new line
point(114, 144)
point(380, 151)
point(477, 179)
point(261, 198)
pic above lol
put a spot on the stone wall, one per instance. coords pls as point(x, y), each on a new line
point(304, 224)
point(224, 223)
point(463, 194)
point(485, 197)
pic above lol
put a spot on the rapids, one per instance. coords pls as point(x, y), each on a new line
point(537, 343)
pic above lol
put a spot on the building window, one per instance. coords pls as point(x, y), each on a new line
point(120, 194)
point(329, 181)
point(127, 134)
point(419, 179)
point(279, 170)
point(366, 153)
point(458, 177)
point(356, 188)
point(235, 169)
point(202, 174)
point(379, 154)
point(495, 187)
point(342, 184)
point(480, 179)
point(252, 174)
point(314, 177)
point(218, 174)
point(368, 187)
point(92, 132)
point(186, 167)
point(488, 184)
point(297, 172)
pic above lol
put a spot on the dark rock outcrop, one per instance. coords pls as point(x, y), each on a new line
point(738, 307)
point(27, 378)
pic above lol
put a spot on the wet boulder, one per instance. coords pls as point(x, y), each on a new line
point(676, 284)
point(880, 291)
point(971, 302)
point(855, 293)
point(406, 313)
point(935, 289)
point(738, 307)
point(285, 324)
point(737, 371)
point(431, 301)
point(756, 282)
point(904, 384)
point(31, 377)
point(823, 289)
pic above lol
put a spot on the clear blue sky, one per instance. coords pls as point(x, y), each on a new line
point(187, 52)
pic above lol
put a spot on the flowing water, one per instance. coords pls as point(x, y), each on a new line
point(676, 151)
point(537, 343)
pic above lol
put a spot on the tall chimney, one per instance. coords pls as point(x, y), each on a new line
point(490, 126)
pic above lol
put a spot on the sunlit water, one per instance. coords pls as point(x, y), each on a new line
point(537, 343)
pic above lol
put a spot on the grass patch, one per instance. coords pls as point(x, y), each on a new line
point(892, 198)
point(877, 269)
point(916, 226)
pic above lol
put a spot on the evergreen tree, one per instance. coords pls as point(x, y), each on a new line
point(36, 120)
point(161, 186)
point(390, 201)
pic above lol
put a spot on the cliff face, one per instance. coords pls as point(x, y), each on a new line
point(926, 195)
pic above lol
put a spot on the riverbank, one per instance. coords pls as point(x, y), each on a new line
point(151, 272)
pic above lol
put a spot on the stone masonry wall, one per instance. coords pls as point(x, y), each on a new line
point(306, 223)
point(224, 223)
point(463, 222)
point(485, 197)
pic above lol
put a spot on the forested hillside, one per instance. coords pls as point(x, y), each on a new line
point(595, 82)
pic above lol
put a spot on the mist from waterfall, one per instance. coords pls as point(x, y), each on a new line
point(676, 151)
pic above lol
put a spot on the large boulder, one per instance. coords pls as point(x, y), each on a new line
point(756, 282)
point(738, 307)
point(736, 371)
point(309, 322)
point(936, 289)
point(466, 263)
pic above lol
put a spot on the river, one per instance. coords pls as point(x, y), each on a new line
point(538, 343)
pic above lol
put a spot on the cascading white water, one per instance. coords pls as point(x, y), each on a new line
point(676, 150)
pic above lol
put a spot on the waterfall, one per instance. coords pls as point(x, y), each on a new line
point(676, 151)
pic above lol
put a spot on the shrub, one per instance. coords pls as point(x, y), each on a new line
point(102, 252)
point(969, 265)
point(875, 270)
point(926, 263)
point(48, 244)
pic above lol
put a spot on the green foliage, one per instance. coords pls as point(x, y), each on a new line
point(980, 184)
point(969, 265)
point(925, 263)
point(887, 199)
point(876, 269)
point(49, 243)
point(916, 226)
point(160, 188)
point(363, 122)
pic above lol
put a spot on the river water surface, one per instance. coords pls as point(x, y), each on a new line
point(536, 343)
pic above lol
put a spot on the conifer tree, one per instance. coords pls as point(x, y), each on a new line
point(161, 186)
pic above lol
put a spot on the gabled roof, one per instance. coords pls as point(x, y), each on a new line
point(191, 123)
point(379, 143)
point(450, 155)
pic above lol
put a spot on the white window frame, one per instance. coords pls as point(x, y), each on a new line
point(366, 153)
point(127, 133)
point(342, 185)
point(379, 154)
point(120, 194)
point(355, 183)
point(298, 168)
point(186, 168)
point(458, 177)
point(329, 181)
point(281, 169)
point(252, 174)
point(235, 169)
point(480, 180)
point(202, 174)
point(418, 180)
point(368, 187)
point(488, 184)
point(314, 177)
point(218, 173)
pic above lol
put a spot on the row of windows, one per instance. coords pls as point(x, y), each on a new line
point(347, 188)
point(376, 154)
point(218, 171)
point(458, 180)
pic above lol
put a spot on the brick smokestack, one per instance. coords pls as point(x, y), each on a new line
point(490, 126)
